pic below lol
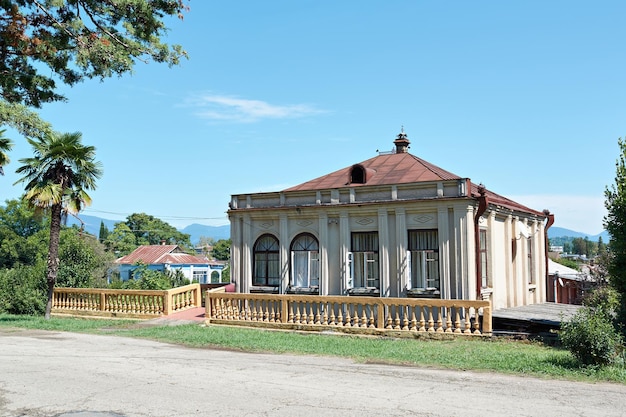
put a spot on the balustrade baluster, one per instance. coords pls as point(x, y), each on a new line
point(396, 320)
point(311, 318)
point(372, 324)
point(413, 327)
point(476, 322)
point(324, 308)
point(389, 318)
point(297, 308)
point(292, 314)
point(457, 321)
point(449, 320)
point(439, 321)
point(468, 322)
point(405, 319)
point(355, 316)
point(272, 314)
point(333, 318)
point(364, 316)
point(348, 319)
point(431, 322)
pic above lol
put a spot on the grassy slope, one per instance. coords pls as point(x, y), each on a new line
point(496, 355)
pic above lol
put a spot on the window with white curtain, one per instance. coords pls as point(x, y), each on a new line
point(424, 259)
point(266, 262)
point(304, 261)
point(363, 261)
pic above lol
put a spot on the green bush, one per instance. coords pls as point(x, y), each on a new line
point(23, 290)
point(592, 338)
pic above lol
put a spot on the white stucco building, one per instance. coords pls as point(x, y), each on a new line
point(391, 226)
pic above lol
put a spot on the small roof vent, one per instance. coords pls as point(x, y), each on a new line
point(402, 142)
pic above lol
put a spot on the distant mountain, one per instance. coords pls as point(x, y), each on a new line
point(554, 232)
point(92, 223)
point(195, 231)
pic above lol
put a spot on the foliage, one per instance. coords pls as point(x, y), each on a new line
point(145, 278)
point(83, 261)
point(149, 230)
point(226, 274)
point(22, 235)
point(604, 299)
point(5, 146)
point(103, 233)
point(46, 41)
point(25, 121)
point(57, 178)
point(615, 224)
point(592, 338)
point(221, 250)
point(21, 218)
point(121, 241)
point(23, 289)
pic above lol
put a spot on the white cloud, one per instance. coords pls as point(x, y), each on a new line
point(575, 212)
point(226, 108)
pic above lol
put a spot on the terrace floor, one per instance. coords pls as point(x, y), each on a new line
point(533, 318)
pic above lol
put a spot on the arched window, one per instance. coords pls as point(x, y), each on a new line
point(215, 277)
point(357, 175)
point(304, 261)
point(266, 262)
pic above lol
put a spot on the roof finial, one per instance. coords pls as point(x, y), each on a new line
point(402, 142)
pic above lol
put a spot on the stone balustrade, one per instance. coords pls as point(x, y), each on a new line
point(351, 314)
point(125, 303)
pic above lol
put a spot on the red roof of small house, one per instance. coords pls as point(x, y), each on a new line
point(160, 254)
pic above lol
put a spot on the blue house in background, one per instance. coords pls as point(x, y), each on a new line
point(171, 258)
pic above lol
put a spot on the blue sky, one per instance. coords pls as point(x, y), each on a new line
point(525, 97)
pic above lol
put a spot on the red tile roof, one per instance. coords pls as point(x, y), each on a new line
point(160, 254)
point(400, 168)
point(397, 168)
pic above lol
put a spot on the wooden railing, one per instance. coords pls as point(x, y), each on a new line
point(350, 314)
point(125, 303)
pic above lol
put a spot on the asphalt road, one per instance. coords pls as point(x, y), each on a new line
point(45, 374)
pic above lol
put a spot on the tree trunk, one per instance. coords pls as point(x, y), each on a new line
point(53, 254)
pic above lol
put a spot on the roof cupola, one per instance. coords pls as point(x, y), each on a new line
point(402, 142)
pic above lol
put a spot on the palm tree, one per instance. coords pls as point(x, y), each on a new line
point(57, 178)
point(5, 146)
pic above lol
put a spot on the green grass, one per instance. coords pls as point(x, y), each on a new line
point(490, 355)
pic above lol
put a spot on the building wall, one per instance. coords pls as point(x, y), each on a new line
point(332, 216)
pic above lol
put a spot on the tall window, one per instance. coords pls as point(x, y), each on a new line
point(266, 262)
point(531, 275)
point(363, 260)
point(424, 259)
point(305, 261)
point(483, 253)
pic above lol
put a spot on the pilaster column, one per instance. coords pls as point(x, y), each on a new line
point(283, 232)
point(383, 251)
point(344, 245)
point(246, 253)
point(323, 253)
point(404, 275)
point(443, 232)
